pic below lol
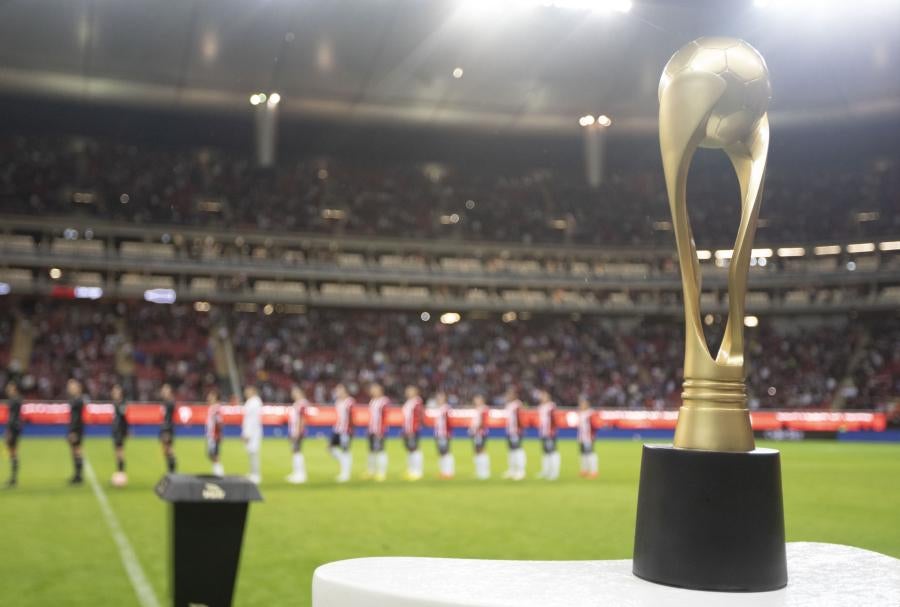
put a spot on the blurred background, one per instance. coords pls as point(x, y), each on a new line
point(462, 195)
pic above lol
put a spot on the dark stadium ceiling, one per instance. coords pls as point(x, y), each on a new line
point(529, 69)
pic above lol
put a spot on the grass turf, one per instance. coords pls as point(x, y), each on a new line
point(58, 550)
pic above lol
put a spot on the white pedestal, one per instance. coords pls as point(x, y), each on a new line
point(819, 575)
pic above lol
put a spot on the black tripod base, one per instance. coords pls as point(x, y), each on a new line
point(710, 520)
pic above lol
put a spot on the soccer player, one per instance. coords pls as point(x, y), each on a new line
point(342, 432)
point(378, 458)
point(13, 430)
point(252, 430)
point(442, 432)
point(479, 432)
point(586, 438)
point(214, 425)
point(296, 432)
point(412, 423)
point(550, 461)
point(75, 432)
point(514, 431)
point(119, 433)
point(167, 430)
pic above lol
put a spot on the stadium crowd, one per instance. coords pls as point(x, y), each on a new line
point(100, 344)
point(43, 175)
point(628, 364)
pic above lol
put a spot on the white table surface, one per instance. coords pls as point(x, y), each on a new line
point(819, 575)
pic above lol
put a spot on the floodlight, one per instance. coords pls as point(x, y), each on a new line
point(449, 318)
point(160, 296)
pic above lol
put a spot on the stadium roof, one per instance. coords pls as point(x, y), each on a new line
point(527, 69)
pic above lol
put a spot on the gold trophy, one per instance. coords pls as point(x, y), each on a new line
point(710, 512)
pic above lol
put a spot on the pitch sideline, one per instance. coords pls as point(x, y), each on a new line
point(142, 588)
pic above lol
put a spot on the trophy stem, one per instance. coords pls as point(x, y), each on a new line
point(714, 416)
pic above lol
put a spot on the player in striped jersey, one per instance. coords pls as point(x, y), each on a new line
point(550, 461)
point(378, 458)
point(514, 434)
point(586, 438)
point(214, 425)
point(479, 432)
point(412, 424)
point(296, 432)
point(342, 432)
point(442, 435)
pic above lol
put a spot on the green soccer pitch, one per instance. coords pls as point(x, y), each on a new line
point(58, 547)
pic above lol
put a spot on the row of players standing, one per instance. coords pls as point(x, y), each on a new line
point(75, 429)
point(342, 433)
point(413, 421)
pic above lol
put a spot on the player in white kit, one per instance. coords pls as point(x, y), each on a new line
point(413, 410)
point(479, 432)
point(550, 461)
point(586, 438)
point(252, 431)
point(342, 432)
point(442, 432)
point(514, 433)
point(378, 458)
point(296, 432)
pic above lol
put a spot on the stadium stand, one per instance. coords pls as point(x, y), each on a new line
point(148, 184)
point(628, 363)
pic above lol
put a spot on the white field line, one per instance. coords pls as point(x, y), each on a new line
point(133, 568)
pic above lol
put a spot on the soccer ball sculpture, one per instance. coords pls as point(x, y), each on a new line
point(747, 93)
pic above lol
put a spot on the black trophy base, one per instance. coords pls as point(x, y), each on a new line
point(710, 520)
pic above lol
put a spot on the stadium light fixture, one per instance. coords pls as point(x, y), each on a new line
point(791, 252)
point(254, 99)
point(5, 288)
point(604, 120)
point(274, 99)
point(509, 6)
point(88, 292)
point(450, 318)
point(889, 245)
point(595, 6)
point(704, 254)
point(160, 296)
point(55, 273)
point(458, 72)
point(751, 321)
point(758, 253)
point(586, 120)
point(832, 249)
point(861, 247)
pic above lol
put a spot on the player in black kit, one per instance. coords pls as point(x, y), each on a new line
point(75, 433)
point(119, 433)
point(13, 430)
point(167, 430)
